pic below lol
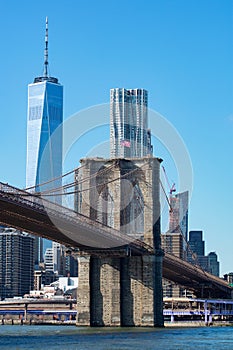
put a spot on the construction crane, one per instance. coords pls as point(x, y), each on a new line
point(171, 188)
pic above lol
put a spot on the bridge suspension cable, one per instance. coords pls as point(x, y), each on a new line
point(52, 180)
point(52, 191)
point(57, 178)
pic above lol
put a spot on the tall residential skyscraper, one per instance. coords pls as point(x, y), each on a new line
point(16, 263)
point(129, 133)
point(45, 115)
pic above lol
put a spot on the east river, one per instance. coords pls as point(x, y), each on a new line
point(71, 337)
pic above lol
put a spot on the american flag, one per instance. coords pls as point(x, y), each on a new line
point(125, 143)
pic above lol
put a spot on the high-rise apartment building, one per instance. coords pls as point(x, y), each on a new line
point(129, 133)
point(16, 263)
point(45, 115)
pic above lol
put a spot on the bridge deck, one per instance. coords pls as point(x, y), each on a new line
point(41, 217)
point(35, 215)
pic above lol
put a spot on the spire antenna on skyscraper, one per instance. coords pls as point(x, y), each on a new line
point(45, 76)
point(46, 50)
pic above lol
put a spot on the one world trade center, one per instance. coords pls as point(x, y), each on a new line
point(45, 116)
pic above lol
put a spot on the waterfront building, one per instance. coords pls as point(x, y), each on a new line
point(16, 263)
point(43, 278)
point(66, 283)
point(129, 133)
point(44, 152)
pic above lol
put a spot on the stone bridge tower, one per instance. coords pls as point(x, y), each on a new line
point(121, 290)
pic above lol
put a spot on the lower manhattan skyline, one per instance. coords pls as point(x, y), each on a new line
point(180, 52)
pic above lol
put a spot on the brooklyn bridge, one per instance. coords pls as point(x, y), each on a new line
point(120, 275)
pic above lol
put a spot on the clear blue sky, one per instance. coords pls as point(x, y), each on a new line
point(180, 51)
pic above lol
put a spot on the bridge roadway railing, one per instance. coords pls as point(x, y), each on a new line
point(54, 210)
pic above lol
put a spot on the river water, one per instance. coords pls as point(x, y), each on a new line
point(71, 338)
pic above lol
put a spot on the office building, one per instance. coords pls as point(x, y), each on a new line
point(196, 253)
point(71, 265)
point(66, 284)
point(59, 258)
point(178, 219)
point(54, 259)
point(196, 244)
point(48, 260)
point(172, 243)
point(129, 133)
point(213, 264)
point(175, 240)
point(16, 263)
point(44, 153)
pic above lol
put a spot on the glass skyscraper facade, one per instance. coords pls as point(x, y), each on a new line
point(129, 133)
point(45, 115)
point(44, 136)
point(178, 220)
